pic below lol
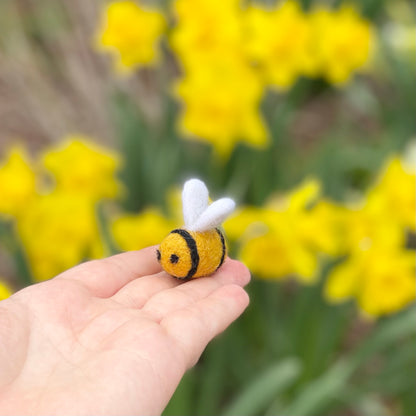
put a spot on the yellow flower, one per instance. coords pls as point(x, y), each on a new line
point(246, 218)
point(17, 182)
point(287, 235)
point(385, 213)
point(394, 193)
point(382, 280)
point(5, 291)
point(205, 31)
point(379, 271)
point(276, 252)
point(278, 41)
point(131, 32)
point(84, 168)
point(267, 256)
point(220, 90)
point(341, 42)
point(313, 221)
point(133, 232)
point(321, 227)
point(221, 106)
point(58, 231)
point(368, 224)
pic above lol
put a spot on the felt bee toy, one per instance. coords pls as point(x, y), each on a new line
point(198, 249)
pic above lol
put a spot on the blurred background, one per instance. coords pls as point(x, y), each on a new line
point(302, 111)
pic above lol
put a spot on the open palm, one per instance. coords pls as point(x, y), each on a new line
point(110, 336)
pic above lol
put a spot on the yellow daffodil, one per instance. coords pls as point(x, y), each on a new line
point(58, 231)
point(221, 106)
point(5, 291)
point(245, 219)
point(379, 271)
point(291, 231)
point(341, 42)
point(220, 91)
point(382, 280)
point(229, 55)
point(84, 168)
point(206, 31)
point(385, 214)
point(394, 193)
point(366, 224)
point(131, 32)
point(278, 42)
point(267, 256)
point(17, 182)
point(133, 232)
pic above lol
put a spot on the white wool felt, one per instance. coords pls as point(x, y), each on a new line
point(214, 215)
point(194, 201)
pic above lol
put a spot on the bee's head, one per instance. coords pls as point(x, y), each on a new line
point(174, 256)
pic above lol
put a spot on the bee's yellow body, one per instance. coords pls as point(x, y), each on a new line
point(191, 254)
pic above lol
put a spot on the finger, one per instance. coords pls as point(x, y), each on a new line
point(193, 327)
point(107, 276)
point(136, 293)
point(171, 300)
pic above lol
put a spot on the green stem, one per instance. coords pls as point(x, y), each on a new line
point(10, 239)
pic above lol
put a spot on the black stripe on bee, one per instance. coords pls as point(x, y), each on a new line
point(224, 250)
point(192, 250)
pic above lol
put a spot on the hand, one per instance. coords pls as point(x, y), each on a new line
point(110, 336)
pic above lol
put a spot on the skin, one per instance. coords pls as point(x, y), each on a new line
point(110, 337)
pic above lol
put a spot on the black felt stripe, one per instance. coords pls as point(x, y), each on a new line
point(193, 251)
point(223, 248)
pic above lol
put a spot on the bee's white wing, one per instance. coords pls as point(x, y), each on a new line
point(194, 201)
point(214, 215)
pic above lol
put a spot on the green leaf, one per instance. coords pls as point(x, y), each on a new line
point(388, 333)
point(182, 402)
point(370, 406)
point(318, 394)
point(264, 389)
point(211, 377)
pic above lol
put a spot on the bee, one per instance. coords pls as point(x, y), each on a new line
point(198, 249)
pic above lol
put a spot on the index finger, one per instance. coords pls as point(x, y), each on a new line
point(103, 278)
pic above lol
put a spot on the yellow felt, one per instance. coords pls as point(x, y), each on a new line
point(209, 248)
point(175, 244)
